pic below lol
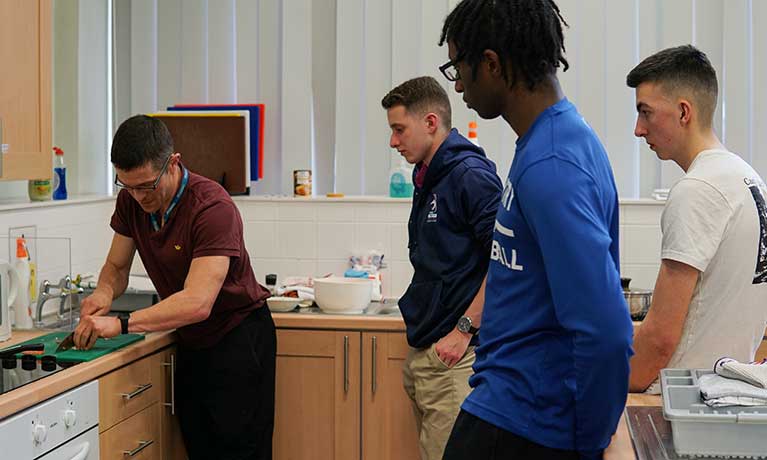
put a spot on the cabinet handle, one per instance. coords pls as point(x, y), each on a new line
point(140, 389)
point(346, 364)
point(374, 385)
point(141, 446)
point(172, 365)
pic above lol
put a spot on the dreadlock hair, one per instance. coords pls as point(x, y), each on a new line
point(419, 96)
point(526, 32)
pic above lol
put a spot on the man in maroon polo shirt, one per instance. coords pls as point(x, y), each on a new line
point(188, 234)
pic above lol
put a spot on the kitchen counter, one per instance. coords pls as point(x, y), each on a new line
point(376, 317)
point(45, 388)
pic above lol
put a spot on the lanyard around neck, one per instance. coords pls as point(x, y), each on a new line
point(173, 203)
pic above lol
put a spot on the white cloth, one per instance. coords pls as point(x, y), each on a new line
point(713, 223)
point(718, 391)
point(752, 373)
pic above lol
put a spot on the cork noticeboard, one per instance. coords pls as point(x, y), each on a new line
point(214, 146)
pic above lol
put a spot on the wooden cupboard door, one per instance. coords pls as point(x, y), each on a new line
point(137, 437)
point(173, 443)
point(317, 395)
point(126, 391)
point(25, 88)
point(389, 429)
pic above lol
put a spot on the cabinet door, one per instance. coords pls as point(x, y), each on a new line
point(25, 88)
point(317, 395)
point(389, 429)
point(172, 441)
point(137, 437)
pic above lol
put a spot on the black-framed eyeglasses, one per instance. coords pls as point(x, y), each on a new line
point(145, 188)
point(450, 71)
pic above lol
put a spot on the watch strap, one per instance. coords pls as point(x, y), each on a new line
point(124, 323)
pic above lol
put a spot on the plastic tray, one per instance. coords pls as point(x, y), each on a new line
point(699, 430)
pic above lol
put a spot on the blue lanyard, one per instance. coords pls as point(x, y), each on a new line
point(173, 203)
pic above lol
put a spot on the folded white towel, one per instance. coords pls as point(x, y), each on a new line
point(718, 391)
point(754, 373)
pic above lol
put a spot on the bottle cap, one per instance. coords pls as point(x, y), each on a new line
point(58, 151)
point(21, 249)
point(472, 130)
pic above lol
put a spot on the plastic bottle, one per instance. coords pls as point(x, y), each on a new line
point(401, 181)
point(21, 310)
point(39, 189)
point(473, 132)
point(59, 176)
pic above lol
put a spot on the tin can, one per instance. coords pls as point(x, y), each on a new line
point(302, 182)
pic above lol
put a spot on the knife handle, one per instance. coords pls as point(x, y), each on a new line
point(10, 351)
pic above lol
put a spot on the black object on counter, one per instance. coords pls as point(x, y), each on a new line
point(48, 363)
point(9, 362)
point(29, 362)
point(10, 351)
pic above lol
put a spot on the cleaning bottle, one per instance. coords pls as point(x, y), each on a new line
point(21, 309)
point(473, 132)
point(59, 176)
point(401, 181)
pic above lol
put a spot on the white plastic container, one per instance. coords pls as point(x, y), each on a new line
point(21, 305)
point(700, 430)
point(282, 304)
point(342, 295)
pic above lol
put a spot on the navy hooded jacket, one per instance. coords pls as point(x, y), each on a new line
point(450, 236)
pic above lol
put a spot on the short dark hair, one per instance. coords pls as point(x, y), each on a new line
point(421, 95)
point(526, 32)
point(678, 69)
point(141, 139)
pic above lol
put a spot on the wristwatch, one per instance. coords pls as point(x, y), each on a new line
point(465, 325)
point(124, 323)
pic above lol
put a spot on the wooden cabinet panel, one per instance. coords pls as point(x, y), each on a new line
point(172, 441)
point(25, 87)
point(317, 396)
point(128, 390)
point(138, 435)
point(388, 424)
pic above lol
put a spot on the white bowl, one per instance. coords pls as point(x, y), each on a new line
point(282, 303)
point(342, 295)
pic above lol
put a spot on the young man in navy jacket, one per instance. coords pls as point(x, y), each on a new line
point(456, 196)
point(552, 366)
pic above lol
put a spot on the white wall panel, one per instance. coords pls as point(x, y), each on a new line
point(737, 78)
point(709, 39)
point(324, 94)
point(168, 55)
point(194, 51)
point(143, 50)
point(350, 94)
point(759, 95)
point(649, 41)
point(222, 46)
point(296, 88)
point(377, 156)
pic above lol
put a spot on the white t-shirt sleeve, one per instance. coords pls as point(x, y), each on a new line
point(693, 223)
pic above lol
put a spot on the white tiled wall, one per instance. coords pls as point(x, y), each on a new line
point(298, 237)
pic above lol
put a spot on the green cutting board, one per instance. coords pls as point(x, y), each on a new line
point(102, 347)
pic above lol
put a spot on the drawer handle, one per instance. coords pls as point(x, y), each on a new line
point(140, 389)
point(172, 403)
point(346, 364)
point(374, 346)
point(141, 446)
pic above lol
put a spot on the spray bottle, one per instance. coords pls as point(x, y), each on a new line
point(21, 309)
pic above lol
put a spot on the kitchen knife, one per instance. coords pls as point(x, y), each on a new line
point(67, 343)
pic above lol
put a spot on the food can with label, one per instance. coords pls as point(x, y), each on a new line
point(302, 182)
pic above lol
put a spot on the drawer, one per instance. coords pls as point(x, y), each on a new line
point(128, 390)
point(135, 438)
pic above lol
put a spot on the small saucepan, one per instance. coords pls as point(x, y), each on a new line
point(638, 300)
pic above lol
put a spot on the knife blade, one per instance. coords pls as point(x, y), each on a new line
point(67, 343)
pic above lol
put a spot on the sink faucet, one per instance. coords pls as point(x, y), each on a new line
point(65, 289)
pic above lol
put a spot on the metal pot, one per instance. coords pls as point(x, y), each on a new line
point(638, 300)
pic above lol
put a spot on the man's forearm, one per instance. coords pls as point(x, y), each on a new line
point(180, 309)
point(475, 307)
point(112, 281)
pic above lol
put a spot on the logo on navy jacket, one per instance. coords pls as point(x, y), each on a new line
point(432, 216)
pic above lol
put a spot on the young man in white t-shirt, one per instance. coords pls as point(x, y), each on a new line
point(710, 298)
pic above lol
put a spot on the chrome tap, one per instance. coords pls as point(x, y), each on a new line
point(65, 289)
point(42, 297)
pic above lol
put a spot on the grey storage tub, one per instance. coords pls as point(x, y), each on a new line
point(699, 430)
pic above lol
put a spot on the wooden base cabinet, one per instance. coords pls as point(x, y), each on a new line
point(339, 396)
point(137, 417)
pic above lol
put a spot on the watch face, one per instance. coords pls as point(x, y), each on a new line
point(464, 324)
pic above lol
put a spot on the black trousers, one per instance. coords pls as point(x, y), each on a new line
point(474, 439)
point(225, 394)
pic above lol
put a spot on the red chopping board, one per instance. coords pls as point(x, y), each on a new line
point(101, 348)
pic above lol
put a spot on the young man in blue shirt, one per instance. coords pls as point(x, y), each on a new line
point(450, 230)
point(552, 365)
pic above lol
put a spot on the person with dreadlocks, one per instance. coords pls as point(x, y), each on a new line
point(552, 365)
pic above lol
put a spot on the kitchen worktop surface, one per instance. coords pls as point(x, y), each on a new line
point(50, 386)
